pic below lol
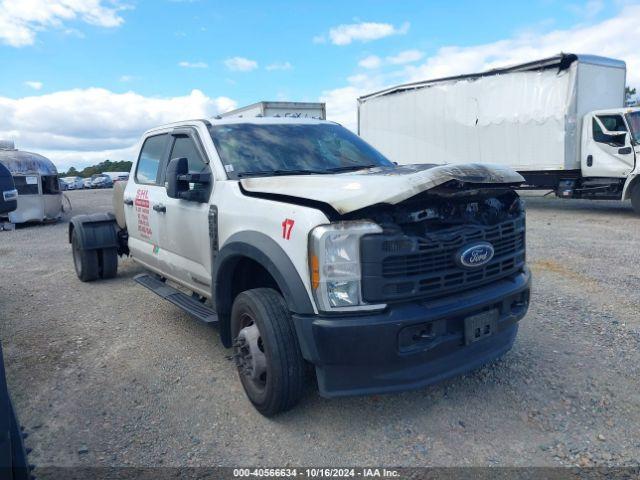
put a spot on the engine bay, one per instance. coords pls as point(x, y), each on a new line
point(447, 207)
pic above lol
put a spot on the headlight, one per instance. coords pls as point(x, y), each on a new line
point(334, 261)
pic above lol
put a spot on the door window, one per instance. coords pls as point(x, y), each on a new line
point(50, 185)
point(613, 123)
point(149, 161)
point(26, 185)
point(185, 147)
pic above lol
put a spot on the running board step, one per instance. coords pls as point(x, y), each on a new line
point(181, 300)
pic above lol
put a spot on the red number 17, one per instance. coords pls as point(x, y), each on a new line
point(287, 226)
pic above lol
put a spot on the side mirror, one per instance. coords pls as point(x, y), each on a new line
point(177, 167)
point(178, 179)
point(618, 140)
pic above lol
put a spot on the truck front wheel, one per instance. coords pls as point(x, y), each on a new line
point(635, 197)
point(266, 350)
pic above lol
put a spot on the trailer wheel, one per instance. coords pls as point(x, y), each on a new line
point(635, 198)
point(109, 262)
point(84, 261)
point(266, 350)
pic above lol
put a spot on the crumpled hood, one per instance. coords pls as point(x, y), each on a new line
point(347, 192)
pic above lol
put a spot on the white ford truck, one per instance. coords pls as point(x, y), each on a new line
point(304, 245)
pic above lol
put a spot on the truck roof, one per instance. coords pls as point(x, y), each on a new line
point(561, 61)
point(236, 120)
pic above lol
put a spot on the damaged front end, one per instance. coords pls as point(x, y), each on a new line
point(445, 277)
point(420, 252)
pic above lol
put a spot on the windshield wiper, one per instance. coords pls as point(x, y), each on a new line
point(350, 168)
point(269, 173)
point(280, 172)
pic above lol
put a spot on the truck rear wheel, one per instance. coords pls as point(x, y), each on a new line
point(84, 261)
point(635, 197)
point(109, 262)
point(266, 350)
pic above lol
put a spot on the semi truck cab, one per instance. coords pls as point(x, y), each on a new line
point(610, 145)
point(306, 246)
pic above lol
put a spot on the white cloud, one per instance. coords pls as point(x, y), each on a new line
point(588, 10)
point(126, 78)
point(240, 64)
point(342, 102)
point(79, 127)
point(279, 66)
point(371, 61)
point(361, 32)
point(193, 65)
point(20, 20)
point(407, 56)
point(616, 37)
point(33, 84)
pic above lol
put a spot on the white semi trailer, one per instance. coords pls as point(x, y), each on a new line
point(561, 122)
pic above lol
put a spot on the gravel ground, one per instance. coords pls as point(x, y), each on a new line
point(108, 374)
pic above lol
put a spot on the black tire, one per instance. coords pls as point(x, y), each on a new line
point(109, 262)
point(283, 382)
point(635, 197)
point(85, 261)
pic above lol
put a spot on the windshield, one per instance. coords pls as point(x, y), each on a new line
point(250, 149)
point(633, 119)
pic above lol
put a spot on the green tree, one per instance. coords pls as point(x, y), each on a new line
point(106, 166)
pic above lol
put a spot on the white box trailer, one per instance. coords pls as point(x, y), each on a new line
point(280, 109)
point(561, 122)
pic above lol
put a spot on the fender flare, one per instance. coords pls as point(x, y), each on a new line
point(266, 252)
point(95, 231)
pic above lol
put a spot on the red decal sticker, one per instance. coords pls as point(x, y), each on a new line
point(142, 211)
point(287, 226)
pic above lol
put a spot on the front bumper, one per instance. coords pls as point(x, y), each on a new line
point(385, 351)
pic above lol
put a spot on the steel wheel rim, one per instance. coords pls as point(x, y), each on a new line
point(250, 354)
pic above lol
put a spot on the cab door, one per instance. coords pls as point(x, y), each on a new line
point(184, 232)
point(608, 151)
point(143, 193)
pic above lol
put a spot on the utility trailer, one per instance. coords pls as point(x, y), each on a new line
point(315, 111)
point(561, 122)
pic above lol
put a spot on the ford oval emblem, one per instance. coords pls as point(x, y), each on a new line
point(475, 255)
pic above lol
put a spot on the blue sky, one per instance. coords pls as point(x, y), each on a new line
point(83, 78)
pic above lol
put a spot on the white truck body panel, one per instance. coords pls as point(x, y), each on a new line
point(528, 117)
point(280, 109)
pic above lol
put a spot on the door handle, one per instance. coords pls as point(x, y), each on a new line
point(128, 201)
point(589, 160)
point(158, 207)
point(625, 151)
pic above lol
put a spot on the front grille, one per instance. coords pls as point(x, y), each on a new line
point(400, 267)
